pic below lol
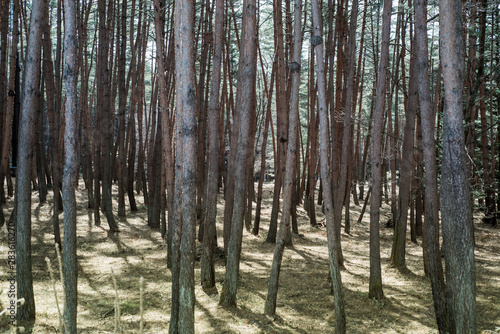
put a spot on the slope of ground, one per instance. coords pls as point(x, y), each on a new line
point(305, 304)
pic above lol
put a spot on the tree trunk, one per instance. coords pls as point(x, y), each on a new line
point(347, 135)
point(246, 78)
point(71, 165)
point(398, 253)
point(212, 186)
point(31, 86)
point(54, 129)
point(375, 289)
point(429, 152)
point(456, 213)
point(104, 100)
point(267, 123)
point(317, 43)
point(293, 129)
point(489, 214)
point(122, 106)
point(282, 119)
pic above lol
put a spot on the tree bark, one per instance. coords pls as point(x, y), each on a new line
point(71, 165)
point(456, 213)
point(246, 77)
point(281, 119)
point(31, 87)
point(212, 186)
point(375, 289)
point(295, 66)
point(104, 100)
point(429, 152)
point(317, 43)
point(398, 253)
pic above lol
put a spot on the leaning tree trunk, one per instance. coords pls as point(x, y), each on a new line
point(282, 119)
point(291, 155)
point(31, 86)
point(246, 77)
point(456, 212)
point(317, 43)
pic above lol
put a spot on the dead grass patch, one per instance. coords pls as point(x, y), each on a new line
point(305, 304)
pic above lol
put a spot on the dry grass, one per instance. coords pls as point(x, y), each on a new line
point(305, 304)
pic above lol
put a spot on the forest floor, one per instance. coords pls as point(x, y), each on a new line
point(305, 304)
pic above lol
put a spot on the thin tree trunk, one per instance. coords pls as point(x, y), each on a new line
point(7, 132)
point(282, 119)
point(347, 135)
point(39, 149)
point(122, 106)
point(212, 186)
point(295, 66)
point(104, 101)
point(375, 289)
point(267, 123)
point(398, 253)
point(490, 214)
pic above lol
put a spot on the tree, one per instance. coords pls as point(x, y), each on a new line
point(71, 165)
point(7, 126)
point(398, 253)
point(246, 77)
point(324, 149)
point(186, 100)
point(346, 150)
point(429, 152)
point(281, 118)
point(104, 126)
point(31, 87)
point(378, 117)
point(291, 156)
point(456, 213)
point(212, 186)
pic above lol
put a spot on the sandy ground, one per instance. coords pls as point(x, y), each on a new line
point(305, 304)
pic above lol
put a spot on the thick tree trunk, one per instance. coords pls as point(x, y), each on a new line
point(31, 86)
point(246, 78)
point(429, 152)
point(317, 43)
point(456, 213)
point(71, 165)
